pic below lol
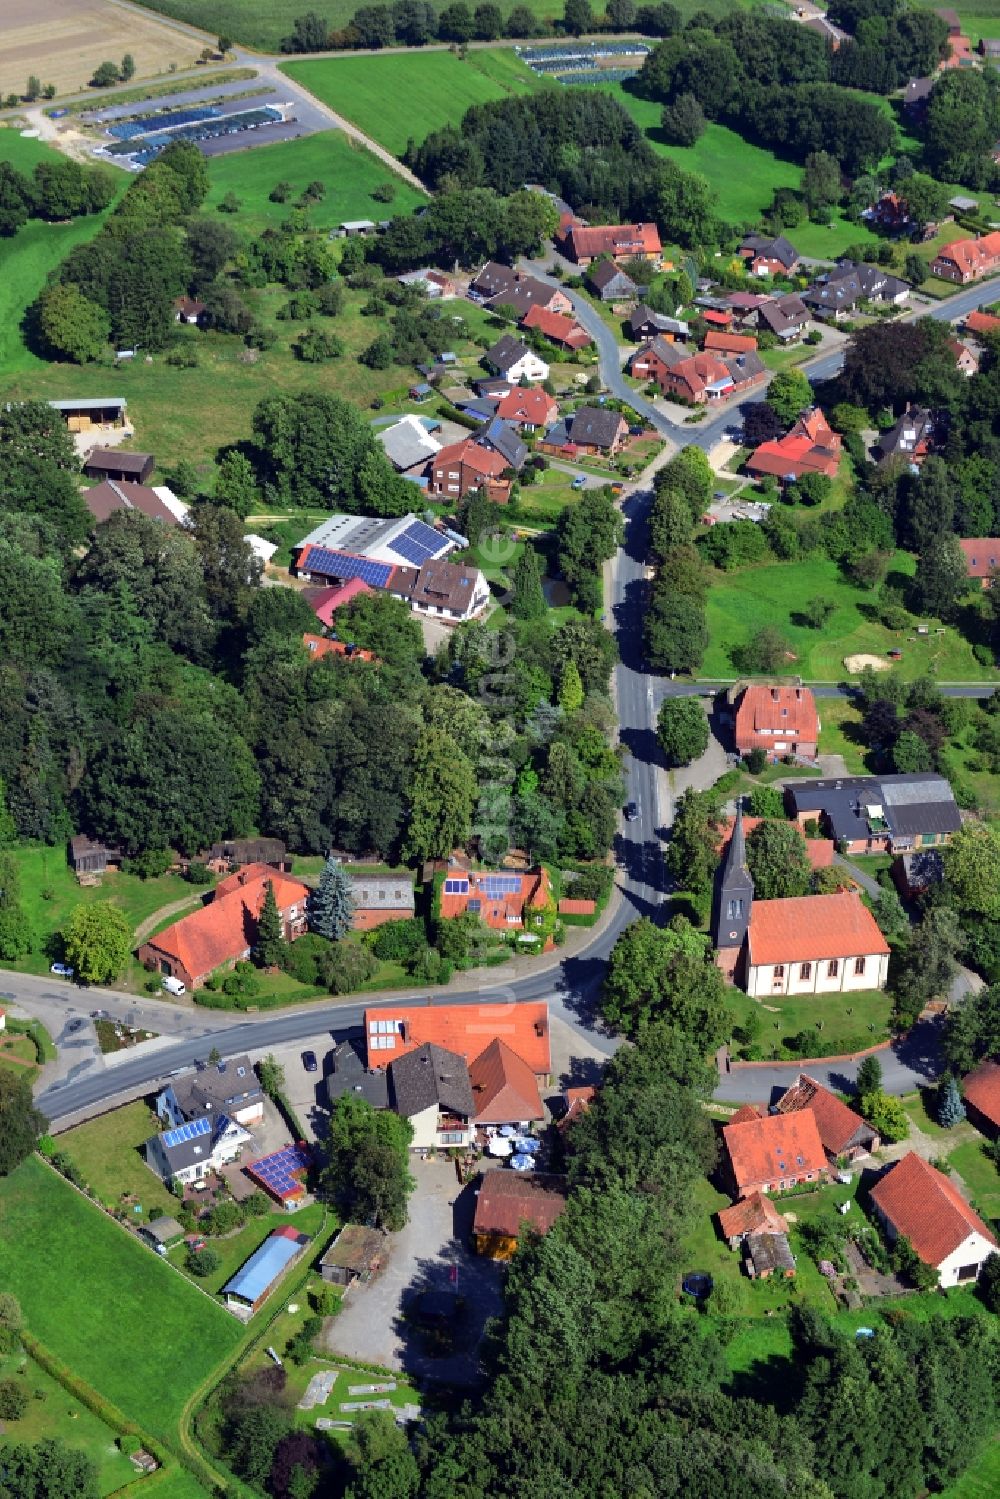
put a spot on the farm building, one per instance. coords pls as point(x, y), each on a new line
point(507, 1201)
point(250, 1287)
point(90, 858)
point(89, 414)
point(355, 1254)
point(981, 1091)
point(916, 1201)
point(111, 463)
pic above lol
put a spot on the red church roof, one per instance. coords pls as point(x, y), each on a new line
point(812, 928)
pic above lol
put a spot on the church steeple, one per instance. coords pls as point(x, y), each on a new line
point(734, 892)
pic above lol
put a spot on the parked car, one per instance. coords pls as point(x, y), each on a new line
point(62, 970)
point(579, 481)
point(309, 1061)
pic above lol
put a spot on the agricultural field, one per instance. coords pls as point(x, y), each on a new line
point(744, 601)
point(74, 1270)
point(394, 97)
point(63, 41)
point(33, 252)
point(350, 174)
point(54, 1413)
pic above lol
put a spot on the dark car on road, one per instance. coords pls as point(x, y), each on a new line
point(631, 812)
point(309, 1061)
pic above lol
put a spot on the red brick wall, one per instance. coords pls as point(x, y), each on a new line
point(366, 921)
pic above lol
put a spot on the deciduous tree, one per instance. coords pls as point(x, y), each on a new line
point(97, 941)
point(682, 730)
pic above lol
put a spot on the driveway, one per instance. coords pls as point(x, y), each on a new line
point(304, 1090)
point(426, 1255)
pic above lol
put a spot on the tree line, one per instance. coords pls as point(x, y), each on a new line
point(56, 190)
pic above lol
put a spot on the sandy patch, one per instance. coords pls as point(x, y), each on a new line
point(63, 41)
point(858, 663)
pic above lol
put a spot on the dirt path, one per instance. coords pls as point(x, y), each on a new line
point(144, 928)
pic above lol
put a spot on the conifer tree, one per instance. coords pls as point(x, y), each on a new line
point(268, 946)
point(331, 905)
point(951, 1109)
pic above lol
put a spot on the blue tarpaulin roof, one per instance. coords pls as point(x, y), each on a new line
point(264, 1266)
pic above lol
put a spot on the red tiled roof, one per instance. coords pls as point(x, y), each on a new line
point(774, 1149)
point(745, 1113)
point(533, 405)
point(810, 447)
point(782, 710)
point(324, 602)
point(557, 326)
point(819, 851)
point(836, 1123)
point(318, 647)
point(729, 343)
point(617, 240)
point(464, 1029)
point(504, 1087)
point(982, 322)
point(483, 460)
point(719, 318)
point(982, 554)
point(532, 889)
point(972, 256)
point(812, 928)
point(752, 1215)
point(226, 927)
point(578, 1101)
point(922, 1204)
point(244, 876)
point(982, 1089)
point(509, 1198)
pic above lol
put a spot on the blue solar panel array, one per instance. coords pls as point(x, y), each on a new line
point(417, 543)
point(501, 884)
point(185, 1132)
point(129, 129)
point(277, 1171)
point(344, 565)
point(456, 887)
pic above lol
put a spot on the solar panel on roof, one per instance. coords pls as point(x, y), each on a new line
point(343, 565)
point(184, 1132)
point(501, 884)
point(456, 887)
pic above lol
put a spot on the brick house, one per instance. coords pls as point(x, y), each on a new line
point(564, 331)
point(502, 899)
point(981, 1091)
point(811, 447)
point(778, 720)
point(531, 409)
point(965, 260)
point(767, 255)
point(982, 322)
point(707, 377)
point(916, 1201)
point(982, 555)
point(772, 1154)
point(224, 930)
point(843, 1132)
point(465, 1029)
point(466, 466)
point(584, 243)
point(718, 341)
point(879, 814)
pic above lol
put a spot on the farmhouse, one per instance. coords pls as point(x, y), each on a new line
point(465, 1029)
point(430, 1087)
point(157, 503)
point(396, 541)
point(558, 328)
point(879, 814)
point(508, 1202)
point(196, 1148)
point(512, 358)
point(843, 1132)
point(355, 1254)
point(765, 255)
point(909, 439)
point(227, 1087)
point(982, 555)
point(467, 465)
point(449, 591)
point(379, 898)
point(584, 243)
point(233, 853)
point(502, 899)
point(111, 463)
point(610, 282)
point(225, 930)
point(981, 1091)
point(706, 377)
point(773, 1154)
point(811, 447)
point(778, 720)
point(501, 285)
point(965, 260)
point(916, 1201)
point(504, 1087)
point(250, 1287)
point(753, 1214)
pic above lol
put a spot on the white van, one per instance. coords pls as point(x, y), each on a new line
point(174, 986)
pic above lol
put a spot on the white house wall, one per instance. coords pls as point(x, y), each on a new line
point(761, 979)
point(974, 1251)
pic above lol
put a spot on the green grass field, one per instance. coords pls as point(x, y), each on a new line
point(350, 173)
point(742, 602)
point(107, 1153)
point(34, 251)
point(54, 1412)
point(49, 892)
point(845, 1021)
point(105, 1305)
point(398, 96)
point(980, 1176)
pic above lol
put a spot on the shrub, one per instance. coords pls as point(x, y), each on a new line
point(324, 1301)
point(197, 873)
point(203, 1262)
point(13, 1400)
point(149, 865)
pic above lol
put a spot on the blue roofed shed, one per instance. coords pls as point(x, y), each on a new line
point(255, 1279)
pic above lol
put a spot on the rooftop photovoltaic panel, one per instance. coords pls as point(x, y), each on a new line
point(456, 887)
point(278, 1172)
point(409, 550)
point(185, 1132)
point(502, 884)
point(344, 565)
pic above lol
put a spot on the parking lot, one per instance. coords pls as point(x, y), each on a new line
point(431, 1253)
point(304, 1090)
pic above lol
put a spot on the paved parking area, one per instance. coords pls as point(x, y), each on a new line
point(305, 1090)
point(433, 1248)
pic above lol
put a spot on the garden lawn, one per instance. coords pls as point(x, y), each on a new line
point(349, 172)
point(839, 733)
point(54, 1413)
point(34, 251)
point(846, 1022)
point(49, 892)
point(107, 1152)
point(744, 601)
point(980, 1176)
point(395, 97)
point(104, 1304)
point(234, 1250)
